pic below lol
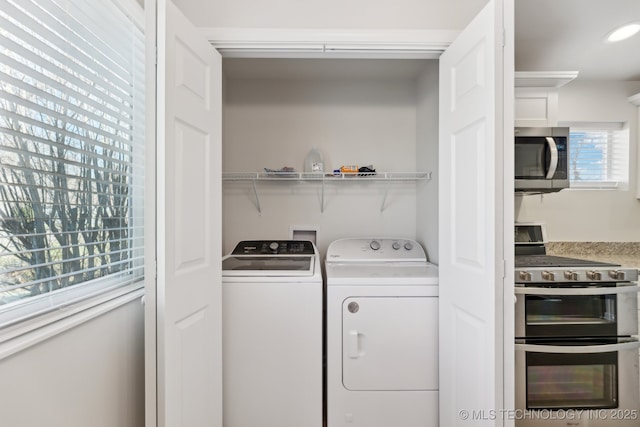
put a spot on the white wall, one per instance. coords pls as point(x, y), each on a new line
point(427, 159)
point(363, 118)
point(592, 215)
point(352, 14)
point(91, 375)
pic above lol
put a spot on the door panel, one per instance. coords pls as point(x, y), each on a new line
point(188, 236)
point(470, 233)
point(468, 173)
point(390, 343)
point(192, 207)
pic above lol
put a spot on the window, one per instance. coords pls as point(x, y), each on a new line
point(599, 155)
point(71, 152)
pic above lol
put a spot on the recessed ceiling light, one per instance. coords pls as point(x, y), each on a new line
point(624, 32)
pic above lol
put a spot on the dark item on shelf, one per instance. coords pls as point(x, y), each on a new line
point(366, 171)
point(284, 172)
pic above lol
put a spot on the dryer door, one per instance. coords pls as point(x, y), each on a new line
point(390, 343)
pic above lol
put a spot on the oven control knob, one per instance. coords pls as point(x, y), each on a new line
point(618, 275)
point(396, 245)
point(273, 246)
point(408, 246)
point(525, 276)
point(571, 275)
point(549, 275)
point(375, 245)
point(594, 275)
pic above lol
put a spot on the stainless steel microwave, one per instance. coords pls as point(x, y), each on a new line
point(541, 159)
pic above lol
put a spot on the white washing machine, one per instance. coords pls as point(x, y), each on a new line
point(272, 298)
point(382, 334)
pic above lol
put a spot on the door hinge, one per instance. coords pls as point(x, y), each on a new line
point(504, 37)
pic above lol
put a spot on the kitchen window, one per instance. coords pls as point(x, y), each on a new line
point(71, 153)
point(599, 156)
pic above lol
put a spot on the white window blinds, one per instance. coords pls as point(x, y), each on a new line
point(71, 150)
point(599, 155)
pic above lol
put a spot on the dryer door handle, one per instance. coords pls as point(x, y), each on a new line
point(353, 344)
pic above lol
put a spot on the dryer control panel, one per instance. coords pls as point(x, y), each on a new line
point(274, 247)
point(375, 249)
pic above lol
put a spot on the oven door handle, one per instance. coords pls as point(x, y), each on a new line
point(573, 349)
point(578, 291)
point(553, 164)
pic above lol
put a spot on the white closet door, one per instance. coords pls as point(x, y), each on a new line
point(470, 218)
point(188, 236)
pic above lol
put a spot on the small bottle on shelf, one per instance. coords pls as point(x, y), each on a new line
point(313, 162)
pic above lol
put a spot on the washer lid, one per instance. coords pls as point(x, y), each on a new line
point(271, 258)
point(268, 265)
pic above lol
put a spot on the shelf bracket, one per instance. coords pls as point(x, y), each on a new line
point(322, 198)
point(255, 192)
point(384, 198)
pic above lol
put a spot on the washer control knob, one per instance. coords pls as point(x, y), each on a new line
point(396, 245)
point(571, 275)
point(594, 275)
point(408, 246)
point(525, 276)
point(549, 275)
point(273, 246)
point(375, 245)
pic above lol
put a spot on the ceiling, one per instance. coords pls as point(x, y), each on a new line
point(551, 35)
point(569, 35)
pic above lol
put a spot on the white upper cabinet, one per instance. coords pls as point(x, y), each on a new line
point(635, 100)
point(536, 107)
point(536, 101)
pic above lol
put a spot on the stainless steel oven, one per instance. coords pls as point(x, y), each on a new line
point(588, 382)
point(584, 311)
point(576, 326)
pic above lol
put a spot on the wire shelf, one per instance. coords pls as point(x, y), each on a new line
point(318, 176)
point(323, 178)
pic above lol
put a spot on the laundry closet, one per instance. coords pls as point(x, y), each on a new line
point(380, 113)
point(284, 116)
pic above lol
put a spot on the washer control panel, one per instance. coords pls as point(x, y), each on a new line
point(274, 247)
point(375, 249)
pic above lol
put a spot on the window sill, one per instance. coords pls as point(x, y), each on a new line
point(23, 335)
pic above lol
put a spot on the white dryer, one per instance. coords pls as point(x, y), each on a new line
point(272, 298)
point(382, 334)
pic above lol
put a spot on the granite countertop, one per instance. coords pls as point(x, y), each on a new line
point(627, 254)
